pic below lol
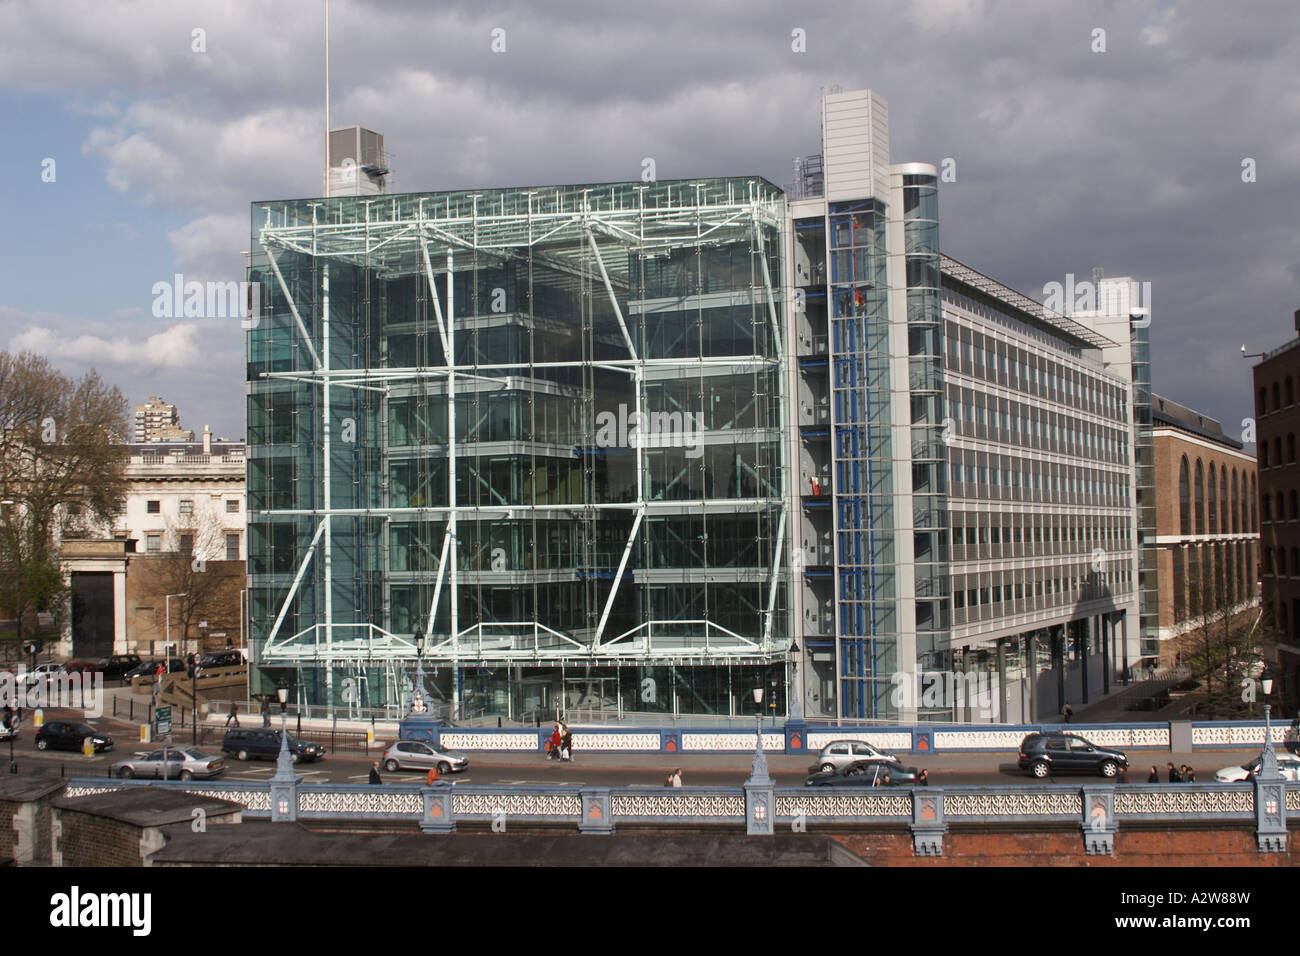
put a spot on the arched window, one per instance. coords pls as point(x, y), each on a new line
point(1277, 397)
point(1277, 450)
point(1281, 561)
point(1199, 502)
point(1268, 560)
point(1290, 394)
point(1184, 499)
point(1223, 500)
point(1295, 560)
point(1281, 508)
point(1263, 454)
point(1261, 403)
point(1290, 448)
point(1213, 503)
point(1268, 509)
point(1254, 514)
point(1236, 504)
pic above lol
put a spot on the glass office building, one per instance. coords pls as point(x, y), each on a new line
point(540, 428)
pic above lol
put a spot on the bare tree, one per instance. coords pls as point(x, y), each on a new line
point(61, 468)
point(192, 567)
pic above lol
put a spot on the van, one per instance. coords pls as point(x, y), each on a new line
point(247, 744)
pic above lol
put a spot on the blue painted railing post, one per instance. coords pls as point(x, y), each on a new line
point(1099, 824)
point(439, 815)
point(597, 815)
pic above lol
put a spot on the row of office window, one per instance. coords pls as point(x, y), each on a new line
point(1283, 397)
point(185, 544)
point(185, 506)
point(1275, 460)
point(1009, 477)
point(1000, 362)
point(975, 414)
point(1224, 511)
point(982, 535)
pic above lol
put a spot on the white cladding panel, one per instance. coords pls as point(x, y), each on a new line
point(855, 146)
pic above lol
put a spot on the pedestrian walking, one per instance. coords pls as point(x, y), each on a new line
point(431, 777)
point(1067, 712)
point(1187, 773)
point(375, 779)
point(1154, 776)
point(1174, 775)
point(233, 715)
point(554, 748)
point(266, 712)
point(923, 778)
point(674, 779)
point(566, 744)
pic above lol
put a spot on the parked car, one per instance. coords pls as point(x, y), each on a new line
point(69, 735)
point(115, 667)
point(172, 763)
point(841, 753)
point(222, 659)
point(150, 667)
point(1287, 765)
point(81, 665)
point(42, 673)
point(865, 773)
point(1053, 753)
point(416, 755)
point(250, 743)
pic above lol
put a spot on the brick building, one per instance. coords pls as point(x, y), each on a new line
point(1277, 416)
point(1207, 531)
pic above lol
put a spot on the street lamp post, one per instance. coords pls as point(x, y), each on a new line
point(284, 762)
point(758, 715)
point(1268, 768)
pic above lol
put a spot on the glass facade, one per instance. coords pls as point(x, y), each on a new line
point(595, 480)
point(862, 452)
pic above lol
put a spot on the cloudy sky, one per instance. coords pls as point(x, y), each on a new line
point(133, 146)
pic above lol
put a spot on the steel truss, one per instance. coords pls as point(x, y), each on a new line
point(408, 235)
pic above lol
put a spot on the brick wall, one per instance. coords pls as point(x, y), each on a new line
point(1182, 847)
point(90, 840)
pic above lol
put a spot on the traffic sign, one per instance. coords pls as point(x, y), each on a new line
point(163, 716)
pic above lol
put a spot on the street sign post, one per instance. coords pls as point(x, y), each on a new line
point(163, 717)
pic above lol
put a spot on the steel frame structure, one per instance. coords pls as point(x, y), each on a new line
point(405, 235)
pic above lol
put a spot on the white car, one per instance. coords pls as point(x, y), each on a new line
point(1287, 764)
point(43, 673)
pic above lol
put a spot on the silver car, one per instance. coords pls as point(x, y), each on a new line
point(172, 763)
point(416, 755)
point(841, 753)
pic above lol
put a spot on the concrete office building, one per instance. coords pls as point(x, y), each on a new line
point(707, 435)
